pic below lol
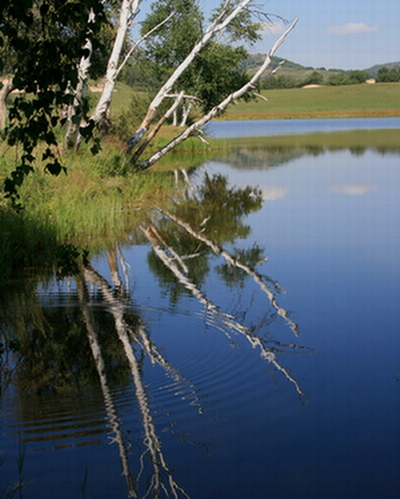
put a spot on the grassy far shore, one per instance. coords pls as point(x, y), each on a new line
point(346, 101)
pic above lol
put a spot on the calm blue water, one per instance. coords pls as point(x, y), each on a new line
point(219, 398)
point(263, 128)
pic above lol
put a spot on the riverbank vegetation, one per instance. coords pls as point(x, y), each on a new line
point(99, 200)
point(49, 57)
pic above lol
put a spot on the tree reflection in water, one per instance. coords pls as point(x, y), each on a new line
point(199, 225)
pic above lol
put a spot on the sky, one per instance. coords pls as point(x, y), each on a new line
point(340, 34)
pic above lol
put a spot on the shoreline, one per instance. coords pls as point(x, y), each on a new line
point(262, 115)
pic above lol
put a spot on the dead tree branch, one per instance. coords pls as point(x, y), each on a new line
point(216, 109)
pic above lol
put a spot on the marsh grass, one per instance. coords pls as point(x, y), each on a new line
point(100, 199)
point(95, 203)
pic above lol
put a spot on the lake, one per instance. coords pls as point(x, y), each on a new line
point(244, 345)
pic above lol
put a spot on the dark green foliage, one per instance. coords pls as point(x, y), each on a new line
point(337, 79)
point(357, 77)
point(315, 78)
point(281, 81)
point(353, 78)
point(44, 40)
point(171, 43)
point(386, 75)
point(242, 27)
point(215, 74)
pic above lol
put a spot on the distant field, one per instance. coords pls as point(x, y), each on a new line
point(380, 99)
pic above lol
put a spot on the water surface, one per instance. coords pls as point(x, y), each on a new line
point(264, 128)
point(246, 346)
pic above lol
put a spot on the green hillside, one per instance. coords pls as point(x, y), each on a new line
point(373, 71)
point(288, 68)
point(299, 72)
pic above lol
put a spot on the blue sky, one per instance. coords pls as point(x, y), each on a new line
point(345, 34)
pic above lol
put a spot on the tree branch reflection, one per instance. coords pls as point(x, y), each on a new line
point(223, 321)
point(151, 440)
point(107, 394)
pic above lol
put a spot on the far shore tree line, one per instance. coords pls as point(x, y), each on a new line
point(356, 77)
point(49, 49)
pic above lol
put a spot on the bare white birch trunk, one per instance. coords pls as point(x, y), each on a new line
point(129, 9)
point(219, 108)
point(186, 112)
point(216, 27)
point(5, 91)
point(76, 109)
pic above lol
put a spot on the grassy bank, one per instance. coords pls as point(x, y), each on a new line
point(382, 141)
point(96, 203)
point(380, 99)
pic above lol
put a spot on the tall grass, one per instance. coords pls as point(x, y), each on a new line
point(95, 203)
point(100, 199)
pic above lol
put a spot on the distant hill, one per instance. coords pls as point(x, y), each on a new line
point(373, 71)
point(255, 60)
point(298, 71)
point(288, 68)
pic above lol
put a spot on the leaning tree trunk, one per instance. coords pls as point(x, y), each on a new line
point(216, 110)
point(218, 26)
point(129, 10)
point(5, 91)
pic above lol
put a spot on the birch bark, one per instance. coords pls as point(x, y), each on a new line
point(129, 9)
point(218, 26)
point(5, 91)
point(197, 125)
point(75, 113)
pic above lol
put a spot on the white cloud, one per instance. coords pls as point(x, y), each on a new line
point(272, 28)
point(352, 28)
point(271, 193)
point(353, 189)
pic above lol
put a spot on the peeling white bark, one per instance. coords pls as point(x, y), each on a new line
point(220, 107)
point(5, 90)
point(129, 9)
point(218, 26)
point(75, 112)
